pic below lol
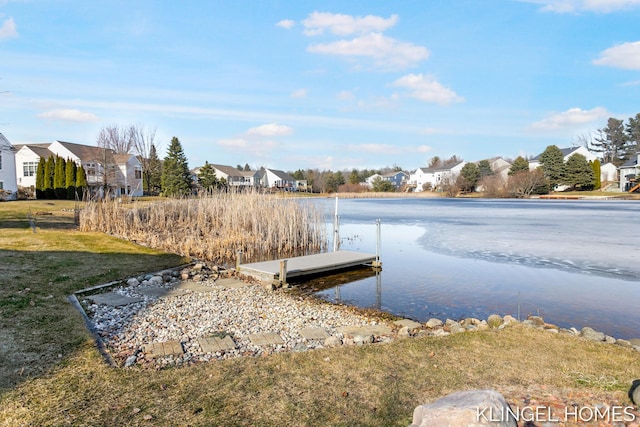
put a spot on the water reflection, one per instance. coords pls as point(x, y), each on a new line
point(420, 281)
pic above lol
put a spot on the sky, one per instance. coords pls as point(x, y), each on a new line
point(332, 85)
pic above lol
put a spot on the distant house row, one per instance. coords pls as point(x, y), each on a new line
point(118, 174)
point(121, 174)
point(263, 178)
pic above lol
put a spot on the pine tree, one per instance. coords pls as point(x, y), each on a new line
point(578, 173)
point(597, 174)
point(469, 176)
point(40, 193)
point(176, 179)
point(552, 163)
point(153, 173)
point(612, 143)
point(519, 164)
point(49, 171)
point(484, 169)
point(81, 183)
point(59, 178)
point(70, 179)
point(207, 177)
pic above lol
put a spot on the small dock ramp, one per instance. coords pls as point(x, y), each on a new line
point(279, 270)
point(634, 188)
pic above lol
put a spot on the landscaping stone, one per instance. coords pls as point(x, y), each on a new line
point(592, 335)
point(536, 320)
point(434, 323)
point(408, 323)
point(332, 341)
point(404, 332)
point(472, 408)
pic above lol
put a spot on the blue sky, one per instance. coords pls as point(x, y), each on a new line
point(329, 85)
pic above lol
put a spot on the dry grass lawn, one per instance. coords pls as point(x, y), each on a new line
point(51, 374)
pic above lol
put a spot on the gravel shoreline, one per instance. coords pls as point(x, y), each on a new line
point(239, 312)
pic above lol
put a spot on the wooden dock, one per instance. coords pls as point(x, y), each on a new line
point(278, 271)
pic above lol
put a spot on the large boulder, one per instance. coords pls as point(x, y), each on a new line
point(474, 408)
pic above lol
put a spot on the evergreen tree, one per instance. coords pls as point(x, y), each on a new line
point(70, 179)
point(552, 163)
point(207, 177)
point(354, 177)
point(247, 168)
point(469, 176)
point(81, 183)
point(153, 173)
point(612, 142)
point(597, 174)
point(382, 185)
point(49, 171)
point(176, 179)
point(484, 168)
point(519, 164)
point(59, 178)
point(40, 193)
point(578, 173)
point(633, 134)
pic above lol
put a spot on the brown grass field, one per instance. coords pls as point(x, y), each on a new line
point(52, 375)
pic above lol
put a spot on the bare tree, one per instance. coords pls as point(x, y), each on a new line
point(118, 139)
point(146, 149)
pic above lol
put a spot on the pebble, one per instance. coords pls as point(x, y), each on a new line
point(238, 312)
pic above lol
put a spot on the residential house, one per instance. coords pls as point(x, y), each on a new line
point(279, 180)
point(606, 170)
point(566, 152)
point(629, 173)
point(8, 168)
point(119, 174)
point(500, 167)
point(433, 178)
point(397, 178)
point(238, 178)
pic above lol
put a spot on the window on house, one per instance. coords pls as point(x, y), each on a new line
point(91, 169)
point(0, 161)
point(1, 185)
point(29, 168)
point(138, 174)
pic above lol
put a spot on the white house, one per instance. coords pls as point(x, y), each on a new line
point(433, 178)
point(274, 178)
point(398, 179)
point(629, 173)
point(608, 172)
point(566, 152)
point(8, 168)
point(121, 174)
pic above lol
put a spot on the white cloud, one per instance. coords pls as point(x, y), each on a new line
point(571, 118)
point(233, 142)
point(424, 149)
point(70, 115)
point(345, 95)
point(426, 88)
point(344, 25)
point(385, 51)
point(271, 129)
point(625, 55)
point(572, 6)
point(286, 23)
point(8, 29)
point(300, 93)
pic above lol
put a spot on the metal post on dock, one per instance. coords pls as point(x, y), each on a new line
point(336, 229)
point(377, 263)
point(238, 260)
point(283, 273)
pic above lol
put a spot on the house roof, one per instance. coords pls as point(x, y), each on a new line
point(440, 168)
point(631, 163)
point(5, 144)
point(565, 153)
point(395, 173)
point(228, 170)
point(89, 153)
point(282, 175)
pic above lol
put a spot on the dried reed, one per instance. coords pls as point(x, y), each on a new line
point(215, 227)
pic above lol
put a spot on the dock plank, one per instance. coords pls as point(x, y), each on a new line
point(307, 265)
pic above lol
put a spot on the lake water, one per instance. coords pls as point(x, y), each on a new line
point(576, 263)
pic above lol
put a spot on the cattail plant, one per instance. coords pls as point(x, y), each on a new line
point(216, 226)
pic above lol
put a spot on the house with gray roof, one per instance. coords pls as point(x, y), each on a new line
point(433, 178)
point(8, 181)
point(629, 173)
